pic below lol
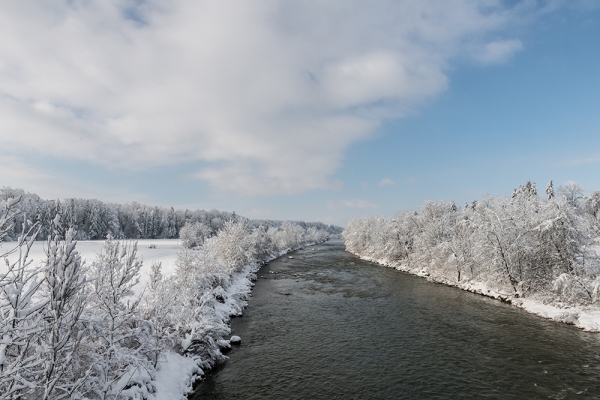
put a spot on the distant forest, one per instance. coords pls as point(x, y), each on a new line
point(94, 220)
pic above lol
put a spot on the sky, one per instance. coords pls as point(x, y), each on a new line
point(305, 110)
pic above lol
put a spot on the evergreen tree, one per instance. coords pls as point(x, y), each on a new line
point(96, 230)
point(550, 190)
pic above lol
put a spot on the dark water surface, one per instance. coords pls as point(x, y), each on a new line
point(326, 325)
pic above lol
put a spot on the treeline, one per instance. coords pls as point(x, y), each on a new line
point(525, 245)
point(70, 329)
point(95, 220)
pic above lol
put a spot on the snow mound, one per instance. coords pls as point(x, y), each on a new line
point(176, 376)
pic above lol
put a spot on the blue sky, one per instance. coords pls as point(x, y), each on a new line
point(298, 110)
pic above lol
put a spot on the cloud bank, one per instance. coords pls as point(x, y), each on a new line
point(264, 95)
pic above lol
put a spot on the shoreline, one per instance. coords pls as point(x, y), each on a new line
point(181, 373)
point(584, 318)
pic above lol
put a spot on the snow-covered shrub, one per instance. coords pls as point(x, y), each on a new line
point(157, 307)
point(232, 246)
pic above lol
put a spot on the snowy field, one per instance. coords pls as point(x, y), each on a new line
point(165, 252)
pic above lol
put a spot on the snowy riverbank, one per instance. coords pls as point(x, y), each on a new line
point(178, 373)
point(586, 318)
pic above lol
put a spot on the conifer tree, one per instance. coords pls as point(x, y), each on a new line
point(550, 190)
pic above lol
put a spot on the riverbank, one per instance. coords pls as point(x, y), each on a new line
point(178, 373)
point(101, 330)
point(585, 318)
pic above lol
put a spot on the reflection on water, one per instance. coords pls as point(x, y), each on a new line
point(326, 325)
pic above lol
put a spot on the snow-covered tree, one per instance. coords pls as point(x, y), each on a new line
point(64, 284)
point(169, 224)
point(550, 190)
point(119, 335)
point(194, 234)
point(572, 192)
point(97, 224)
point(20, 312)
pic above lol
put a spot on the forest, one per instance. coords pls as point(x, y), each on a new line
point(71, 328)
point(524, 246)
point(94, 220)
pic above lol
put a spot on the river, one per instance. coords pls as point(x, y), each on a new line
point(327, 325)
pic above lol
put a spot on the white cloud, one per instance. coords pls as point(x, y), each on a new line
point(387, 182)
point(498, 52)
point(268, 94)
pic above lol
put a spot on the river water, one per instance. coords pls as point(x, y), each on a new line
point(327, 325)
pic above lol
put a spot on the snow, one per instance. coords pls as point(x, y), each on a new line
point(165, 251)
point(176, 377)
point(235, 340)
point(586, 318)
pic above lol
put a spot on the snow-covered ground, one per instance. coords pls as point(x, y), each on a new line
point(149, 250)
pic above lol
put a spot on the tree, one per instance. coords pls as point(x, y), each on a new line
point(169, 224)
point(193, 234)
point(525, 245)
point(550, 190)
point(97, 224)
point(120, 336)
point(20, 312)
point(572, 192)
point(64, 279)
